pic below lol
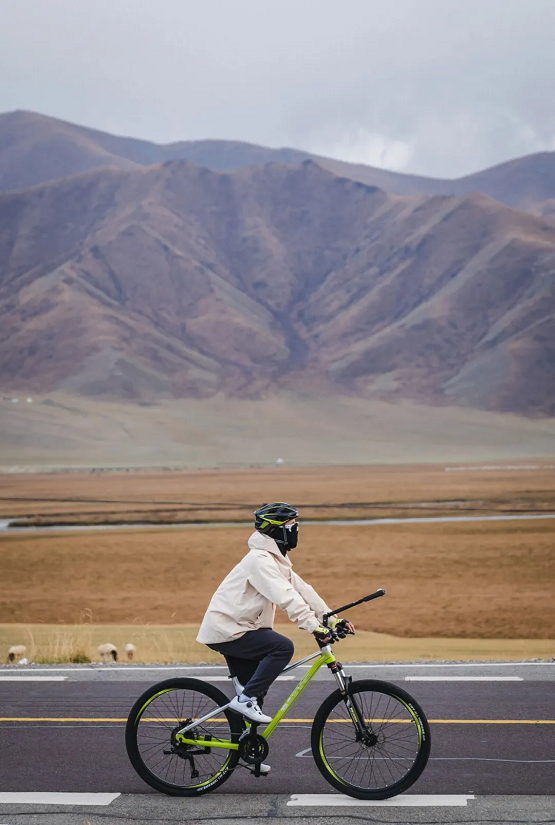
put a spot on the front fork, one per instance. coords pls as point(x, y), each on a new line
point(351, 704)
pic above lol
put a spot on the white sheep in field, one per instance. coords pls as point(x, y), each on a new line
point(16, 652)
point(130, 651)
point(108, 652)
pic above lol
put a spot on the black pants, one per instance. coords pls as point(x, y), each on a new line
point(257, 658)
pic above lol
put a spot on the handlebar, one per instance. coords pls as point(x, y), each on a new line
point(376, 595)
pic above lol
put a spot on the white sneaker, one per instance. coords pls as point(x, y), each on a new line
point(250, 710)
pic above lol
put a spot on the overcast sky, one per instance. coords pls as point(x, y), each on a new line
point(434, 87)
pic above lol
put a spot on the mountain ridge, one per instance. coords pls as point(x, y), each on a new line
point(173, 281)
point(35, 148)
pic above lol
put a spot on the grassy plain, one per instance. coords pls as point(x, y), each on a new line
point(61, 430)
point(483, 580)
point(320, 493)
point(447, 583)
point(176, 643)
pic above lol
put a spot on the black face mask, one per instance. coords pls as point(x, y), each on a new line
point(288, 538)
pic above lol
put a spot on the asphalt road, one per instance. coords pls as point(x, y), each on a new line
point(488, 737)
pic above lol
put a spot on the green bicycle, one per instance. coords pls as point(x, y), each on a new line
point(369, 738)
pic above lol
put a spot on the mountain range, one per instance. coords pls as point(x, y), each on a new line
point(143, 280)
point(35, 149)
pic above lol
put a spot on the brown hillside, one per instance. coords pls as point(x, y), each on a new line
point(35, 149)
point(523, 182)
point(172, 280)
point(526, 183)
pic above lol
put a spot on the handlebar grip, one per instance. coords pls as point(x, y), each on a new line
point(376, 595)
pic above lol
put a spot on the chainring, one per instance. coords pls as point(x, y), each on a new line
point(253, 749)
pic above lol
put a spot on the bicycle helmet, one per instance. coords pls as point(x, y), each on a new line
point(270, 520)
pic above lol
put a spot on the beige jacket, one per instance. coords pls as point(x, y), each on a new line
point(247, 597)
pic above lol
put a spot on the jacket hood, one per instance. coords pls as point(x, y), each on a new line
point(258, 541)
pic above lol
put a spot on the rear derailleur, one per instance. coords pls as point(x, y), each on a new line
point(186, 751)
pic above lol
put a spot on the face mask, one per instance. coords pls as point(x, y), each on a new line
point(292, 536)
point(285, 537)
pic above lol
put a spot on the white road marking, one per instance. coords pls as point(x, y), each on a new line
point(108, 668)
point(164, 668)
point(33, 678)
point(53, 798)
point(402, 801)
point(464, 679)
point(431, 665)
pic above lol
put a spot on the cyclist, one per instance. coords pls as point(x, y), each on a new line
point(240, 617)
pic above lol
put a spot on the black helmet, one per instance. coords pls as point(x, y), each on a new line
point(271, 520)
point(273, 515)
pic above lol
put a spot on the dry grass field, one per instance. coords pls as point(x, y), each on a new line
point(477, 580)
point(463, 590)
point(47, 644)
point(320, 492)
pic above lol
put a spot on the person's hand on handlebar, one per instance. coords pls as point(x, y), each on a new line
point(337, 629)
point(342, 627)
point(325, 636)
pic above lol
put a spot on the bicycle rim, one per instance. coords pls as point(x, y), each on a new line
point(389, 756)
point(168, 765)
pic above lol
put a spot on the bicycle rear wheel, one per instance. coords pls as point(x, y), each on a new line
point(169, 766)
point(389, 755)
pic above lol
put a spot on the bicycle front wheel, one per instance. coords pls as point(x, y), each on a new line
point(163, 762)
point(384, 758)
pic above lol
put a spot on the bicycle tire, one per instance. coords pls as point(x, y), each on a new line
point(182, 699)
point(391, 715)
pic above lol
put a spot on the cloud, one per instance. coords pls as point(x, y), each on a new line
point(437, 87)
point(357, 145)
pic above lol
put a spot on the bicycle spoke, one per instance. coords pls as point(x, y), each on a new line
point(161, 718)
point(389, 747)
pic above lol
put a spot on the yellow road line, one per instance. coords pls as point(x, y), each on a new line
point(491, 721)
point(285, 721)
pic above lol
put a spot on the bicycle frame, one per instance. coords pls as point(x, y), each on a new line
point(323, 657)
point(188, 732)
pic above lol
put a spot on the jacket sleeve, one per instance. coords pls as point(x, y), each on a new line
point(310, 596)
point(266, 577)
